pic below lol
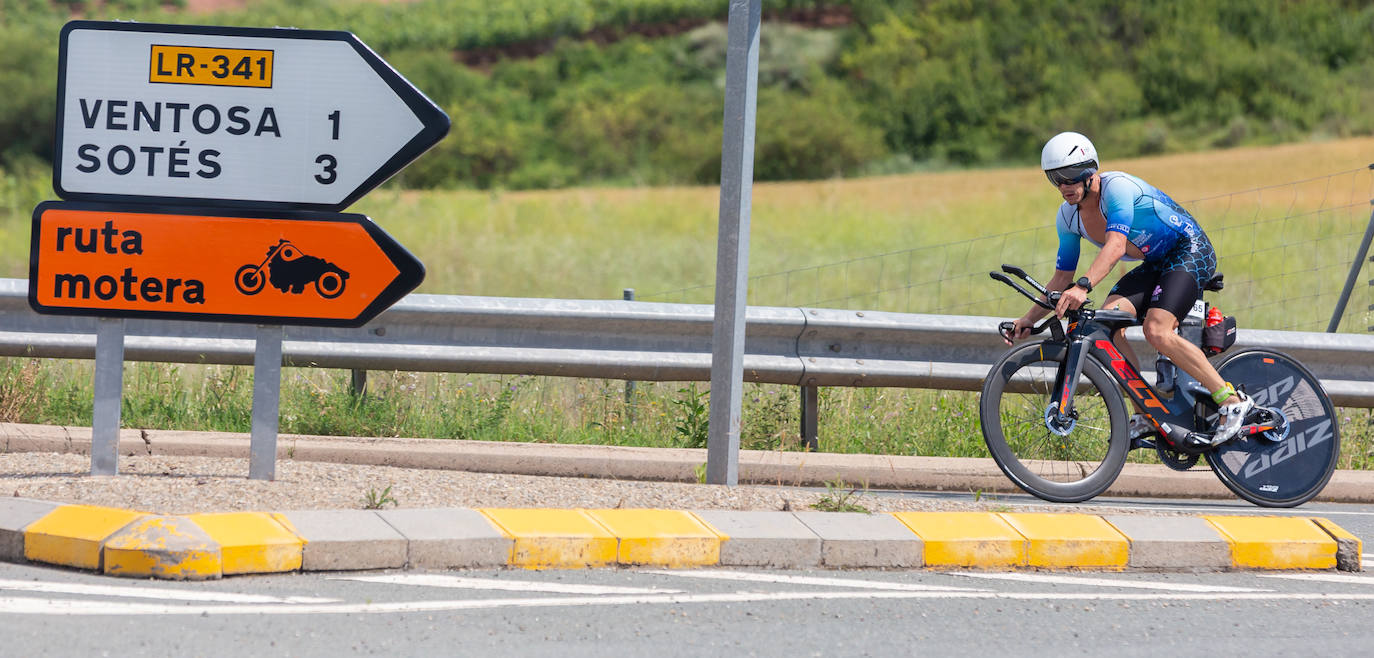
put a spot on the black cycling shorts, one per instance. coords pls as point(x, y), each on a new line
point(1173, 282)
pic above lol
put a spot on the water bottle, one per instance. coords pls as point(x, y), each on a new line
point(1214, 318)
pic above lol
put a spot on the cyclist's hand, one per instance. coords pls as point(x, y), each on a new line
point(1070, 299)
point(1016, 330)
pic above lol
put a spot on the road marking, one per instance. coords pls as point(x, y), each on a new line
point(1324, 577)
point(1248, 510)
point(16, 605)
point(812, 580)
point(152, 593)
point(428, 580)
point(1103, 582)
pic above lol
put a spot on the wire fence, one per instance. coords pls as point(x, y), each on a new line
point(1285, 249)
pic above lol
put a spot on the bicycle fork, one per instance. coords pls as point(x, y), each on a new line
point(1060, 415)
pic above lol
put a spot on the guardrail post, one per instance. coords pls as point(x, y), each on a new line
point(628, 294)
point(1355, 266)
point(358, 387)
point(810, 410)
point(109, 396)
point(262, 448)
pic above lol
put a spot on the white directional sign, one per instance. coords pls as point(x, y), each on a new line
point(245, 117)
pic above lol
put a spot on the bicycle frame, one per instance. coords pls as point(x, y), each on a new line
point(1089, 335)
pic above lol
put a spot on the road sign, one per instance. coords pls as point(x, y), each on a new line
point(230, 116)
point(298, 268)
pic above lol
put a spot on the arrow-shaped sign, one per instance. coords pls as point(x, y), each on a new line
point(298, 268)
point(228, 116)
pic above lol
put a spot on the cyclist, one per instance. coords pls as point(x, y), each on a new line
point(1129, 219)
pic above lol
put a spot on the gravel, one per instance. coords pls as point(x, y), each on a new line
point(185, 485)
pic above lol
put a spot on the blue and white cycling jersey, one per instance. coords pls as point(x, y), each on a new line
point(1148, 218)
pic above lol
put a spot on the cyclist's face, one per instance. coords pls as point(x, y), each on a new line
point(1074, 192)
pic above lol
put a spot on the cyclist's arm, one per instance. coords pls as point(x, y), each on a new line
point(1112, 251)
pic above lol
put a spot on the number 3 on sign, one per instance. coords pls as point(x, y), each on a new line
point(328, 165)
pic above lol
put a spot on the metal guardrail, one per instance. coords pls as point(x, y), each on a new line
point(616, 339)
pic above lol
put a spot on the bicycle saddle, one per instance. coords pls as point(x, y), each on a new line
point(1215, 284)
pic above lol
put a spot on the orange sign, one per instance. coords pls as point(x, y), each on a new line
point(252, 266)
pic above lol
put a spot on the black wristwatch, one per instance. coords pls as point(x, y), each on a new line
point(1084, 283)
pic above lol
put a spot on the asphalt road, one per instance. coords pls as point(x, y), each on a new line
point(47, 611)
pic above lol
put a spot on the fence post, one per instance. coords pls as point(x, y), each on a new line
point(262, 446)
point(1354, 274)
point(628, 294)
point(109, 396)
point(810, 414)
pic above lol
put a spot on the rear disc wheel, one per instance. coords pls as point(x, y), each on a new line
point(1293, 470)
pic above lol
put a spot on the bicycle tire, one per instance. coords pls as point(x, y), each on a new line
point(1296, 469)
point(1062, 469)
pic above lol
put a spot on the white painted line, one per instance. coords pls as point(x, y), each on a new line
point(151, 592)
point(1103, 582)
point(429, 580)
point(1324, 577)
point(15, 605)
point(812, 580)
point(1243, 511)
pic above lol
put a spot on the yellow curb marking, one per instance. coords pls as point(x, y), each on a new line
point(1066, 541)
point(252, 542)
point(554, 538)
point(966, 539)
point(1339, 533)
point(167, 547)
point(71, 535)
point(1272, 542)
point(668, 538)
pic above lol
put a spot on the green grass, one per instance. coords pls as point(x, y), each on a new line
point(591, 243)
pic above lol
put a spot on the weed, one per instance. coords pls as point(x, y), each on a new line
point(692, 426)
point(700, 471)
point(836, 499)
point(374, 499)
point(20, 394)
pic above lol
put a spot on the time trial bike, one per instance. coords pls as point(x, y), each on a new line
point(1068, 443)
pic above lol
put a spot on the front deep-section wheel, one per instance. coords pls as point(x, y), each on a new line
point(1290, 471)
point(1066, 464)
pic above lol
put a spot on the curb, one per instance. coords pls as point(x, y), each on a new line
point(126, 543)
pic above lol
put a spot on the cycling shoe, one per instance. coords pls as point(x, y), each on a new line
point(1232, 418)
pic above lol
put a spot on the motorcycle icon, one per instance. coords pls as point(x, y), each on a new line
point(289, 270)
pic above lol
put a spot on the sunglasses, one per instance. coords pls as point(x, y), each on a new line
point(1071, 174)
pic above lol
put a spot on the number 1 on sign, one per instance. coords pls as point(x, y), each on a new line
point(334, 119)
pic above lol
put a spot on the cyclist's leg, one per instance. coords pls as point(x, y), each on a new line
point(1131, 294)
point(1127, 295)
point(1186, 268)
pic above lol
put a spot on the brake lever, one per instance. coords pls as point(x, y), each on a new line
point(1005, 328)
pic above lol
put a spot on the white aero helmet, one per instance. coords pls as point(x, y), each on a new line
point(1068, 158)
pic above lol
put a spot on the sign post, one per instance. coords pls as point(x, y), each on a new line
point(204, 169)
